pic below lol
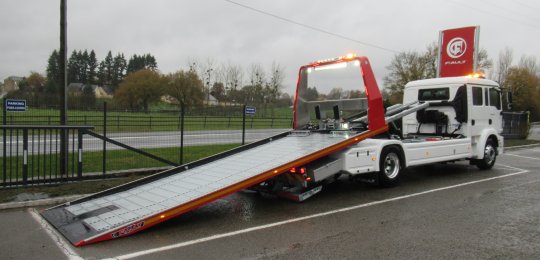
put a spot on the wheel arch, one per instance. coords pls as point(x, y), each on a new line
point(401, 153)
point(486, 135)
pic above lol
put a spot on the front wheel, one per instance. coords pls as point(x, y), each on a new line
point(389, 167)
point(490, 156)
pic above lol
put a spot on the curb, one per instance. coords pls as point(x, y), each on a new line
point(521, 146)
point(42, 202)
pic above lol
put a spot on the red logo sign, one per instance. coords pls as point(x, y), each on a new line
point(458, 52)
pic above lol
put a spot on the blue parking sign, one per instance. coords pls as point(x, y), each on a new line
point(14, 105)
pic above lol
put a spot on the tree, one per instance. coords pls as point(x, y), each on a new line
point(275, 84)
point(404, 67)
point(503, 65)
point(311, 94)
point(53, 73)
point(525, 89)
point(92, 65)
point(105, 70)
point(218, 91)
point(73, 68)
point(36, 81)
point(186, 87)
point(529, 63)
point(137, 62)
point(257, 90)
point(285, 100)
point(139, 89)
point(119, 70)
point(335, 94)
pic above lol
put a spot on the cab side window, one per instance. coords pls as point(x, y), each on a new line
point(495, 98)
point(477, 96)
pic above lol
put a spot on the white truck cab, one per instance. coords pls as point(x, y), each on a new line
point(461, 121)
point(459, 107)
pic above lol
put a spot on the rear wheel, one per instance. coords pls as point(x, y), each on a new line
point(389, 167)
point(490, 156)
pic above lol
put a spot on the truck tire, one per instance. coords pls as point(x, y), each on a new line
point(490, 156)
point(389, 167)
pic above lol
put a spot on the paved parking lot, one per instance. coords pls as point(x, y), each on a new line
point(438, 211)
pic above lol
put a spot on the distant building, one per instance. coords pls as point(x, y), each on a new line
point(211, 100)
point(11, 83)
point(100, 92)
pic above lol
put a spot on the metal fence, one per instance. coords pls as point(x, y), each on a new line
point(128, 141)
point(32, 154)
point(515, 125)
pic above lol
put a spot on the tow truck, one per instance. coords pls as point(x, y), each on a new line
point(339, 129)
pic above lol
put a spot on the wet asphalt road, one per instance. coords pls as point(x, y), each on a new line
point(438, 211)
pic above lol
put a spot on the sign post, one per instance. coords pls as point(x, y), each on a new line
point(458, 51)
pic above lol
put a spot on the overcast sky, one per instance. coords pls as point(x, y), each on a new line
point(175, 31)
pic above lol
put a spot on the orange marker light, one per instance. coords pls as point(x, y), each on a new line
point(162, 216)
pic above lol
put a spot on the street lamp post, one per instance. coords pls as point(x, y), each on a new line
point(208, 86)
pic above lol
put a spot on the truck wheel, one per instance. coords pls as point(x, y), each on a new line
point(389, 167)
point(490, 155)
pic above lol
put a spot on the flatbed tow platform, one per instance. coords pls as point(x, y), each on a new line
point(141, 204)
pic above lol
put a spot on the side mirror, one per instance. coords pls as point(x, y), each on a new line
point(509, 100)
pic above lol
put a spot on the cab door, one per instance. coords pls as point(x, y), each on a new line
point(494, 108)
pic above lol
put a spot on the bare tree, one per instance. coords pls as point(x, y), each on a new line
point(276, 81)
point(504, 63)
point(257, 83)
point(484, 62)
point(529, 63)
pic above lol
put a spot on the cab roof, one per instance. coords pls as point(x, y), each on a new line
point(451, 80)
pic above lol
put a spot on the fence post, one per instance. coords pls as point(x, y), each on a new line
point(4, 119)
point(104, 161)
point(243, 125)
point(79, 153)
point(25, 156)
point(182, 113)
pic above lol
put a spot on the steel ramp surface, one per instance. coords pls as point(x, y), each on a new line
point(138, 205)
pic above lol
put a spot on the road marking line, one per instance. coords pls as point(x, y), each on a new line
point(58, 239)
point(526, 157)
point(284, 222)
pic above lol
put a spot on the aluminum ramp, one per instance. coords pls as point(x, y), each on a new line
point(135, 206)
